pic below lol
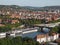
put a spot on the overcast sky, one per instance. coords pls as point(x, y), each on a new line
point(36, 3)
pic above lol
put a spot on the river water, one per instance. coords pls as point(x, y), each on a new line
point(34, 34)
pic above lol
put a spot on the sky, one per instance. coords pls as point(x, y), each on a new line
point(34, 3)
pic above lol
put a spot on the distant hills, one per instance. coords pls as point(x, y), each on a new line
point(29, 7)
point(51, 7)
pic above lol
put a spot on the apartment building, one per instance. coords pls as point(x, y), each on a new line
point(46, 37)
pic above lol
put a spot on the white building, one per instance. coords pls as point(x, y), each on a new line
point(41, 38)
point(15, 33)
point(22, 31)
point(2, 35)
point(29, 30)
point(46, 38)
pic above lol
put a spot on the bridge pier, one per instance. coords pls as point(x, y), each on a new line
point(41, 29)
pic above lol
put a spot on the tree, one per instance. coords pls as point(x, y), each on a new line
point(55, 29)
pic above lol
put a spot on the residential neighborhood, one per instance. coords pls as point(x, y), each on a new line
point(29, 22)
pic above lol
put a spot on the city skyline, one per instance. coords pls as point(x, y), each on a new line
point(34, 3)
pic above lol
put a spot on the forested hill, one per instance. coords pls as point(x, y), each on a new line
point(51, 7)
point(28, 7)
point(16, 7)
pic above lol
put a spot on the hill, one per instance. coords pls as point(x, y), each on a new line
point(16, 7)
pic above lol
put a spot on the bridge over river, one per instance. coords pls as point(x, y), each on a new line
point(49, 26)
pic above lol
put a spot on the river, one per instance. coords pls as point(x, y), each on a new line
point(34, 34)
